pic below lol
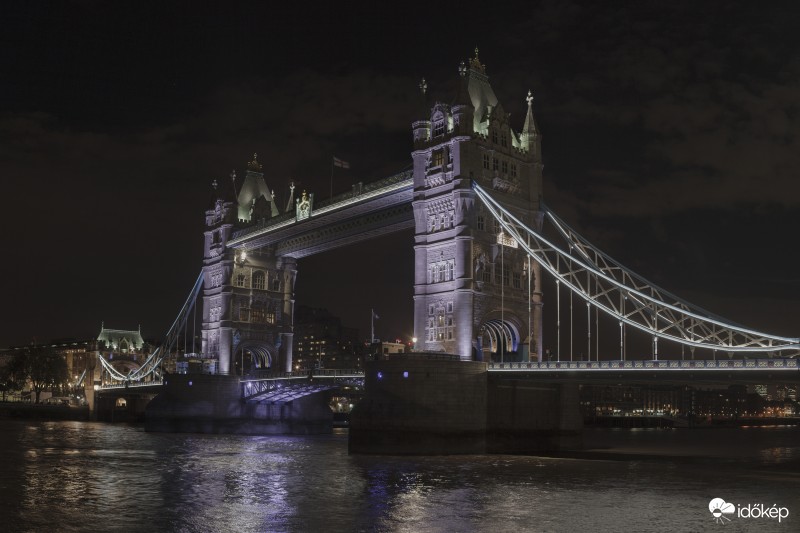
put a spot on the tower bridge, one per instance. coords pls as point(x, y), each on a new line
point(482, 240)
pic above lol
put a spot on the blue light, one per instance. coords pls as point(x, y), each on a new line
point(405, 374)
point(380, 375)
point(190, 383)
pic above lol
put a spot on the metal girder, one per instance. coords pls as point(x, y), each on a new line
point(624, 295)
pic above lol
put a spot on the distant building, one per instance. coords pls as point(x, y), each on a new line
point(321, 341)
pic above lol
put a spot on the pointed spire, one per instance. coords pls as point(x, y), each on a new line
point(529, 134)
point(291, 196)
point(254, 165)
point(530, 125)
point(423, 87)
point(462, 94)
point(475, 63)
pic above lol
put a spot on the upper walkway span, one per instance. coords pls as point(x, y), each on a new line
point(370, 210)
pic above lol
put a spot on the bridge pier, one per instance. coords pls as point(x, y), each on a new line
point(204, 403)
point(431, 404)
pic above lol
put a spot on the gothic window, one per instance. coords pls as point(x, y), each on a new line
point(440, 320)
point(438, 158)
point(270, 318)
point(449, 307)
point(240, 280)
point(495, 163)
point(430, 310)
point(450, 334)
point(438, 129)
point(432, 223)
point(257, 314)
point(443, 219)
point(450, 268)
point(487, 275)
point(494, 136)
point(441, 273)
point(481, 223)
point(517, 280)
point(259, 280)
point(513, 170)
point(276, 284)
point(449, 321)
point(486, 161)
point(215, 237)
point(505, 167)
point(506, 275)
point(244, 314)
point(503, 140)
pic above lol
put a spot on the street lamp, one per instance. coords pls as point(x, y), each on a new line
point(414, 341)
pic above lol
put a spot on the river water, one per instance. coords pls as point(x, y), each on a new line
point(82, 476)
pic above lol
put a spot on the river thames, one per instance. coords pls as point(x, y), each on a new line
point(82, 476)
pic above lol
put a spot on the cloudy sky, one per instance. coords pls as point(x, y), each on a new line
point(671, 140)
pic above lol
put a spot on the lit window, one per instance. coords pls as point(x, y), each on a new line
point(257, 314)
point(438, 128)
point(270, 318)
point(259, 280)
point(240, 280)
point(438, 158)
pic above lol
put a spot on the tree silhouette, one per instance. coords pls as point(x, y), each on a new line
point(43, 367)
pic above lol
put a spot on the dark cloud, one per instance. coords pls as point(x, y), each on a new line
point(670, 139)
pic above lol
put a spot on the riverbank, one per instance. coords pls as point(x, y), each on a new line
point(40, 411)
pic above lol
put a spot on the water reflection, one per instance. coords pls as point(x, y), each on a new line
point(72, 476)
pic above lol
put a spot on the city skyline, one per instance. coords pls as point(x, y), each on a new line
point(669, 140)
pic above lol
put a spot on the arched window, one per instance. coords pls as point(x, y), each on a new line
point(259, 280)
point(240, 280)
point(450, 268)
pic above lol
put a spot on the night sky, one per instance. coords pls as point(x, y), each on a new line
point(671, 139)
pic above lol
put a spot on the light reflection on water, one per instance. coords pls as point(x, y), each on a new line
point(75, 476)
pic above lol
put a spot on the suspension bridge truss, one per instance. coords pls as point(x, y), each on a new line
point(150, 370)
point(626, 296)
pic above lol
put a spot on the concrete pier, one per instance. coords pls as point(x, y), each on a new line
point(202, 403)
point(432, 404)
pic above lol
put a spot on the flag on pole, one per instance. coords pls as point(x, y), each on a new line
point(340, 163)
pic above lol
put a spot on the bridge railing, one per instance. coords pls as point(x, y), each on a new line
point(731, 364)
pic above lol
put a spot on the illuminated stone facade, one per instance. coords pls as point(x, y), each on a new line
point(472, 295)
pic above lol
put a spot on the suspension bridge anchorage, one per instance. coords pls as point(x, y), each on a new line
point(626, 296)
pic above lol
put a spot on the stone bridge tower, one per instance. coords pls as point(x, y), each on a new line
point(475, 293)
point(248, 295)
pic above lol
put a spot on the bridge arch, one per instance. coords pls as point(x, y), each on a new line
point(254, 355)
point(499, 338)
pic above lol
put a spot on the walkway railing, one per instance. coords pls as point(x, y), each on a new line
point(729, 364)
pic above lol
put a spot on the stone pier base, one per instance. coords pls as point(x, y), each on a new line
point(429, 404)
point(201, 403)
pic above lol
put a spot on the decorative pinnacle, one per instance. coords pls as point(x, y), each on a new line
point(475, 63)
point(214, 184)
point(291, 186)
point(233, 175)
point(254, 165)
point(462, 69)
point(273, 194)
point(529, 98)
point(423, 86)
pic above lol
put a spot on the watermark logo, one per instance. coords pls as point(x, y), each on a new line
point(719, 508)
point(723, 511)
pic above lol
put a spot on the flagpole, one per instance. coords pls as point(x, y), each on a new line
point(332, 165)
point(372, 326)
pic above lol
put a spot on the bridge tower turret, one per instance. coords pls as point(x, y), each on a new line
point(475, 292)
point(218, 262)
